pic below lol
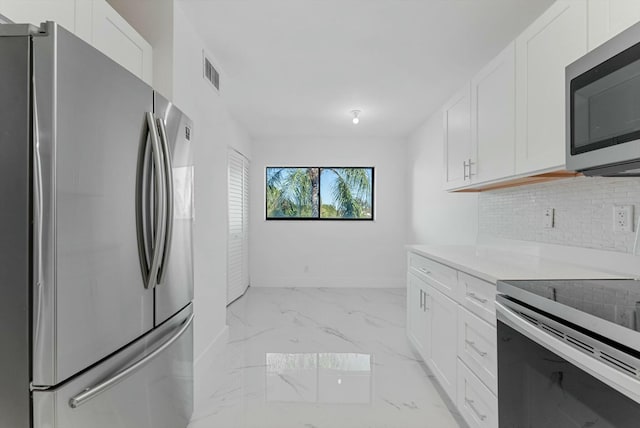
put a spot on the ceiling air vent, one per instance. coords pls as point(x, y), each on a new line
point(211, 74)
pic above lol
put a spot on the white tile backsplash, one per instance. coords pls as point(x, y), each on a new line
point(583, 212)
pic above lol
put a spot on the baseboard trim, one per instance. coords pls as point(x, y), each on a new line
point(215, 345)
point(302, 282)
point(204, 369)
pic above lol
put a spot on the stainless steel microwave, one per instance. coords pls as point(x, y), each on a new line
point(603, 108)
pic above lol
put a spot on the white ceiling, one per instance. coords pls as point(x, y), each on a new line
point(298, 67)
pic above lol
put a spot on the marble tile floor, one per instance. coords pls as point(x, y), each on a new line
point(321, 358)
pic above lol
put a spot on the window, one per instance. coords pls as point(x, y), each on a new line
point(319, 193)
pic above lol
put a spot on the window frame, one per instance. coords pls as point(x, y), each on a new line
point(319, 218)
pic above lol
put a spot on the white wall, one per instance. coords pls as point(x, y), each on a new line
point(337, 253)
point(214, 131)
point(435, 216)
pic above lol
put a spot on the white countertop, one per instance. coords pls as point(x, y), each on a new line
point(493, 264)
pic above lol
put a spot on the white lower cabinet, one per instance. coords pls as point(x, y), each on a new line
point(418, 323)
point(477, 347)
point(478, 296)
point(476, 403)
point(451, 323)
point(443, 323)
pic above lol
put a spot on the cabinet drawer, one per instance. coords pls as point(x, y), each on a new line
point(441, 277)
point(478, 296)
point(476, 403)
point(477, 347)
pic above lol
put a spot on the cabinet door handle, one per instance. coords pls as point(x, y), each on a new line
point(472, 407)
point(473, 346)
point(425, 271)
point(464, 166)
point(474, 296)
point(469, 165)
point(421, 292)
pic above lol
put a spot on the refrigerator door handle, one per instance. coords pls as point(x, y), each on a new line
point(93, 391)
point(37, 184)
point(168, 175)
point(150, 267)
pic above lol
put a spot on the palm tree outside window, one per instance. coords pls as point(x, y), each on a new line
point(319, 193)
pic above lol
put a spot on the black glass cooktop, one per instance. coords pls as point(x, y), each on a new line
point(613, 300)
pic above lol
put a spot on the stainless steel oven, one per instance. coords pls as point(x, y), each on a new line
point(568, 353)
point(603, 108)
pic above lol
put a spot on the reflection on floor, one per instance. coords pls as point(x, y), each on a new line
point(321, 358)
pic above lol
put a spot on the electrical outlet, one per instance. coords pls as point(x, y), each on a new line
point(548, 218)
point(623, 218)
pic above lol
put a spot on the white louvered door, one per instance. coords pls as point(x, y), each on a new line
point(238, 222)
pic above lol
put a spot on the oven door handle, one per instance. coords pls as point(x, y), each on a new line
point(621, 382)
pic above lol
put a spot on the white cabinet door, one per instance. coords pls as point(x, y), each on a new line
point(493, 120)
point(112, 35)
point(444, 330)
point(94, 21)
point(477, 347)
point(476, 403)
point(37, 11)
point(543, 50)
point(457, 139)
point(418, 323)
point(609, 17)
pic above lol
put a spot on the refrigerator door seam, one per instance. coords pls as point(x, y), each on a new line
point(169, 199)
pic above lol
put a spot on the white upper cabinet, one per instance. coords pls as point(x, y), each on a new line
point(543, 50)
point(493, 121)
point(112, 35)
point(96, 22)
point(609, 17)
point(37, 11)
point(458, 154)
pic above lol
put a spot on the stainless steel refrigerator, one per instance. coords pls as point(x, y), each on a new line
point(96, 259)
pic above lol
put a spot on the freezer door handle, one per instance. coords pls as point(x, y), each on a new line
point(103, 386)
point(168, 175)
point(150, 266)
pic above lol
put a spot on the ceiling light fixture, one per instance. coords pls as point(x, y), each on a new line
point(355, 114)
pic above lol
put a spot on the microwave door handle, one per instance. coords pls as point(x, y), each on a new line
point(168, 175)
point(623, 383)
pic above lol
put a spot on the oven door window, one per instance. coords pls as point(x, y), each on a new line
point(539, 389)
point(605, 103)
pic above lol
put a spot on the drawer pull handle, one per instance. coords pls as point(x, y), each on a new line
point(473, 346)
point(474, 296)
point(472, 407)
point(425, 271)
